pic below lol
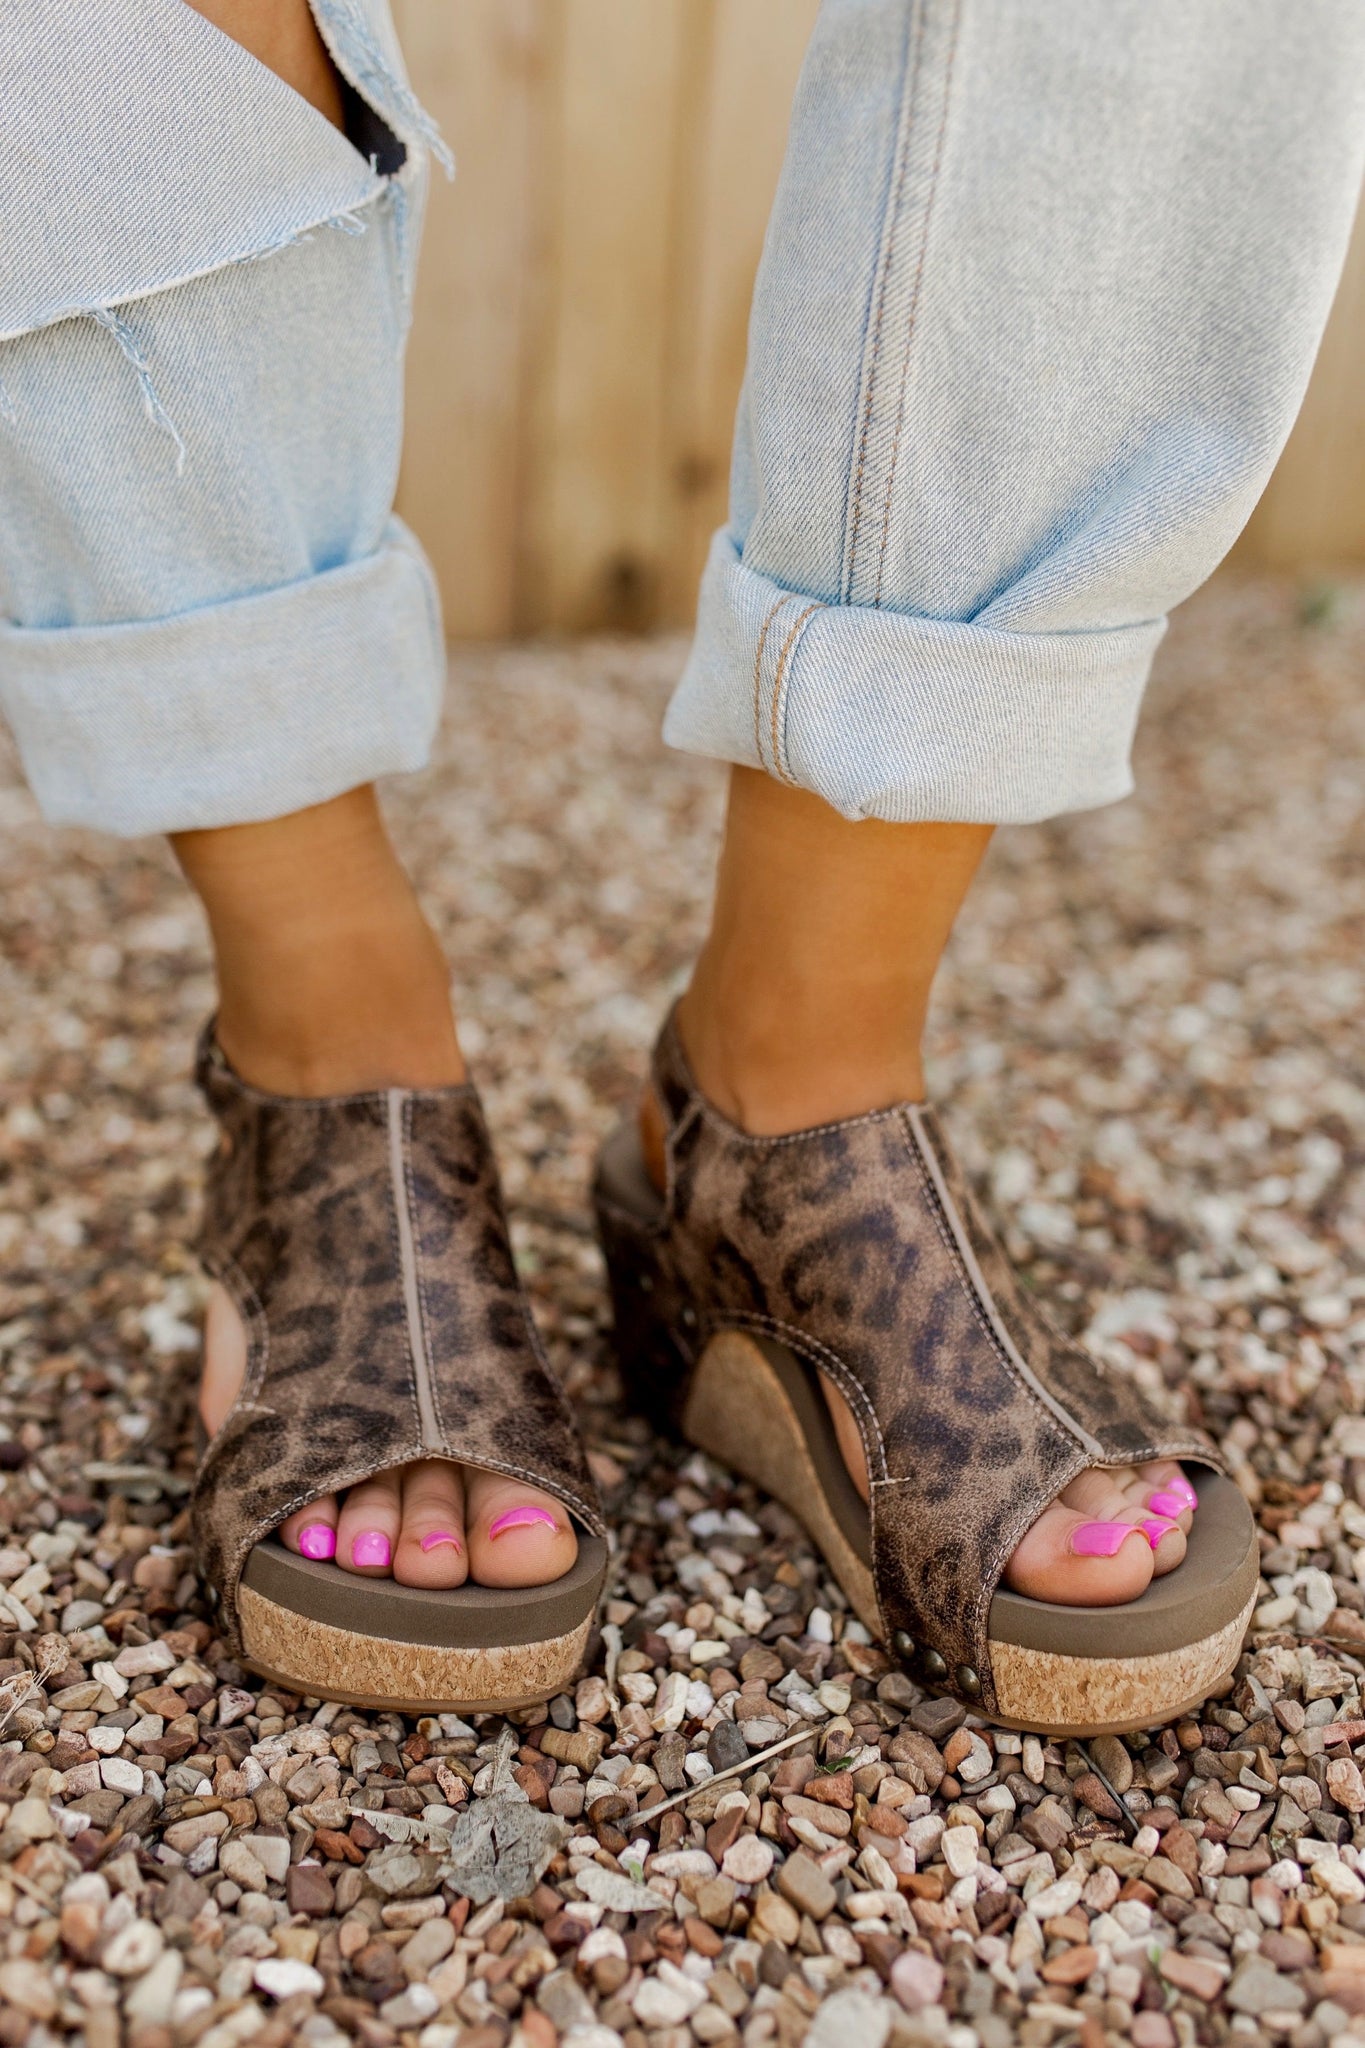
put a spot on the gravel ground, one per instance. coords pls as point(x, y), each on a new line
point(1148, 1047)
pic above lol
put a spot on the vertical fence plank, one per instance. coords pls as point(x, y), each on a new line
point(593, 537)
point(734, 148)
point(474, 66)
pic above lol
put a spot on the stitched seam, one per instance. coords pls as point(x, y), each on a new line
point(802, 1341)
point(884, 259)
point(546, 1485)
point(773, 610)
point(914, 303)
point(396, 1249)
point(735, 1136)
point(414, 1245)
point(987, 1330)
point(673, 1136)
point(1094, 1449)
point(779, 767)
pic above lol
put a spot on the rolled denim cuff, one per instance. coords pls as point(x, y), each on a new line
point(886, 715)
point(232, 712)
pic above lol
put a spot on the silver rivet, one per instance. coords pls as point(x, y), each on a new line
point(689, 1316)
point(934, 1666)
point(903, 1644)
point(967, 1680)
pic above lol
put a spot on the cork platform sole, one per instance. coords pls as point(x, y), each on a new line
point(331, 1635)
point(757, 1406)
point(739, 1407)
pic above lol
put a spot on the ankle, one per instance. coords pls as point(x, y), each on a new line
point(776, 1073)
point(336, 1013)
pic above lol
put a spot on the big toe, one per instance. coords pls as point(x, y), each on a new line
point(431, 1544)
point(1087, 1549)
point(517, 1535)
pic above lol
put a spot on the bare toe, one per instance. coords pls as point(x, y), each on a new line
point(312, 1532)
point(367, 1531)
point(517, 1536)
point(431, 1544)
point(1085, 1550)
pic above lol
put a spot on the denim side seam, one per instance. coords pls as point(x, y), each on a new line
point(900, 276)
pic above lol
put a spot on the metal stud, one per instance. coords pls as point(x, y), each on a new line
point(903, 1644)
point(968, 1681)
point(933, 1665)
point(688, 1315)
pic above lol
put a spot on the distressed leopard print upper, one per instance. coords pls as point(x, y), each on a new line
point(364, 1241)
point(858, 1245)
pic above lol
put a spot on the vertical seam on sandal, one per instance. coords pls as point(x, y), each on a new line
point(976, 1279)
point(428, 1422)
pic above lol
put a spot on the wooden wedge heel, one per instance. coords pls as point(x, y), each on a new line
point(363, 1240)
point(855, 1251)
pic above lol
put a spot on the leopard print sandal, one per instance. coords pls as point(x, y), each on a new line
point(856, 1250)
point(364, 1242)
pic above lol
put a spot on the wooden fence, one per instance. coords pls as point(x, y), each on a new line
point(581, 313)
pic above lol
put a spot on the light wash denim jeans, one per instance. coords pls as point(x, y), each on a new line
point(209, 613)
point(1040, 296)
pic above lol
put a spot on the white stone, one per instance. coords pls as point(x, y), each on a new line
point(667, 1999)
point(1341, 1884)
point(271, 1852)
point(848, 2017)
point(133, 1949)
point(670, 1704)
point(749, 1860)
point(111, 1680)
point(32, 1820)
point(1054, 1899)
point(139, 1660)
point(119, 1775)
point(107, 1741)
point(959, 1850)
point(152, 1998)
point(601, 1943)
point(284, 1976)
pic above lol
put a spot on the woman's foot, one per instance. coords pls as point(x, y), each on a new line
point(429, 1524)
point(1101, 1542)
point(807, 1006)
point(331, 983)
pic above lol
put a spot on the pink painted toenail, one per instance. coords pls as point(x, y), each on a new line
point(1181, 1488)
point(522, 1518)
point(1168, 1503)
point(1154, 1531)
point(371, 1546)
point(317, 1540)
point(440, 1536)
point(1100, 1539)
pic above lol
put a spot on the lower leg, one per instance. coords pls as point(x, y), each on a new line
point(331, 982)
point(808, 1005)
